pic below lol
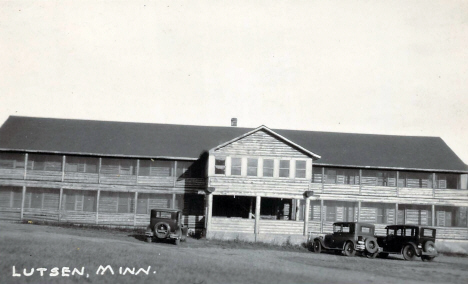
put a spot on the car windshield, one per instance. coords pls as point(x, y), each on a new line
point(341, 228)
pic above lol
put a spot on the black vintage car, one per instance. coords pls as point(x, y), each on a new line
point(348, 238)
point(410, 241)
point(166, 224)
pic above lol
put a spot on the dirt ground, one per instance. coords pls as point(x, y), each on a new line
point(27, 246)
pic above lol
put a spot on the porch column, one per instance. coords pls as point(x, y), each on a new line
point(359, 211)
point(135, 209)
point(257, 216)
point(209, 210)
point(63, 167)
point(99, 172)
point(25, 166)
point(22, 202)
point(433, 215)
point(396, 214)
point(321, 215)
point(60, 201)
point(306, 216)
point(97, 204)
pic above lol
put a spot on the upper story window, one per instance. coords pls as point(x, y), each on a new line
point(43, 162)
point(220, 165)
point(118, 166)
point(252, 167)
point(415, 179)
point(317, 174)
point(341, 176)
point(236, 166)
point(11, 160)
point(449, 181)
point(300, 169)
point(81, 164)
point(379, 178)
point(284, 168)
point(268, 167)
point(157, 168)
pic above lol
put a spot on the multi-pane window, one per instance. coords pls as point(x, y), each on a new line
point(10, 197)
point(415, 179)
point(341, 176)
point(268, 167)
point(300, 169)
point(40, 162)
point(81, 164)
point(451, 216)
point(156, 168)
point(317, 174)
point(236, 166)
point(379, 178)
point(183, 169)
point(220, 165)
point(118, 166)
point(284, 168)
point(449, 181)
point(252, 167)
point(11, 160)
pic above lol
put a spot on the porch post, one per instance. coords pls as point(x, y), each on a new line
point(396, 213)
point(359, 211)
point(433, 215)
point(63, 167)
point(306, 216)
point(209, 197)
point(25, 166)
point(135, 209)
point(257, 216)
point(97, 204)
point(321, 215)
point(60, 201)
point(22, 202)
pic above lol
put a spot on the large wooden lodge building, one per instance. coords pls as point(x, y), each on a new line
point(229, 181)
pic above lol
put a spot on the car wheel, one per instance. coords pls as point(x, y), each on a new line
point(409, 253)
point(177, 242)
point(371, 246)
point(427, 258)
point(162, 229)
point(349, 249)
point(317, 246)
point(429, 246)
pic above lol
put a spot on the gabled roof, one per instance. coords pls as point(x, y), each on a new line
point(274, 134)
point(128, 139)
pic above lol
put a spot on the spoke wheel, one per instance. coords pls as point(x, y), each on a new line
point(349, 249)
point(409, 253)
point(317, 246)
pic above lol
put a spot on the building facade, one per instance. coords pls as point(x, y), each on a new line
point(229, 181)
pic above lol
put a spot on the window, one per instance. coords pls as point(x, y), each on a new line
point(89, 201)
point(379, 178)
point(81, 164)
point(381, 216)
point(39, 162)
point(317, 174)
point(156, 168)
point(330, 215)
point(70, 200)
point(415, 180)
point(341, 176)
point(451, 216)
point(220, 165)
point(284, 168)
point(268, 167)
point(183, 169)
point(10, 197)
point(42, 198)
point(236, 166)
point(113, 166)
point(11, 160)
point(124, 203)
point(252, 167)
point(449, 181)
point(366, 230)
point(427, 232)
point(300, 169)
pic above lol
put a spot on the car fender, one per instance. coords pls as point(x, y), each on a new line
point(320, 239)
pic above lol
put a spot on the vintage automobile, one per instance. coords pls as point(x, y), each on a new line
point(410, 241)
point(348, 238)
point(166, 224)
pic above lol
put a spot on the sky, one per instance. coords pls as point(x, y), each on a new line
point(380, 67)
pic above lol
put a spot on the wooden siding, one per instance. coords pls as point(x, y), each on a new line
point(81, 177)
point(341, 189)
point(378, 190)
point(253, 185)
point(451, 194)
point(237, 225)
point(118, 179)
point(415, 192)
point(281, 227)
point(12, 173)
point(44, 175)
point(260, 143)
point(10, 214)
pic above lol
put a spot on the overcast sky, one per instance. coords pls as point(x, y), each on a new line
point(383, 67)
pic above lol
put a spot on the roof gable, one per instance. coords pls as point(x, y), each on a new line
point(264, 141)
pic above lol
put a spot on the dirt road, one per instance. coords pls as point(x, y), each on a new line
point(26, 246)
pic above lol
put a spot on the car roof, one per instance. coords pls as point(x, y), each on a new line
point(358, 223)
